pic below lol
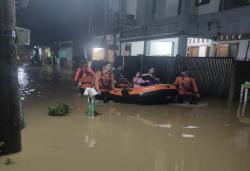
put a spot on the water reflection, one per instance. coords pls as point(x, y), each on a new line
point(90, 135)
point(23, 78)
point(24, 82)
point(240, 139)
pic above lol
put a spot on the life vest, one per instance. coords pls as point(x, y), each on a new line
point(105, 81)
point(84, 77)
point(186, 85)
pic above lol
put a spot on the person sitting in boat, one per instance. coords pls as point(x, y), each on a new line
point(120, 80)
point(187, 88)
point(151, 77)
point(139, 81)
point(84, 77)
point(104, 83)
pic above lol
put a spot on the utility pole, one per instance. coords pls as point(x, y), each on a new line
point(10, 135)
point(105, 20)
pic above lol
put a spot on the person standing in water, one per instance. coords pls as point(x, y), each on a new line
point(187, 88)
point(104, 83)
point(84, 77)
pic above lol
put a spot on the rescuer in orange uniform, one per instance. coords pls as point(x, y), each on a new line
point(84, 77)
point(104, 83)
point(187, 88)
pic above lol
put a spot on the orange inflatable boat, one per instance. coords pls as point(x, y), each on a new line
point(155, 94)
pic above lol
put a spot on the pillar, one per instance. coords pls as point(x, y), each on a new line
point(182, 46)
point(9, 111)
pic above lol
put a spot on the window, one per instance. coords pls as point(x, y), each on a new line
point(201, 2)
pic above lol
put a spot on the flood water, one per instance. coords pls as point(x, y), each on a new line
point(207, 137)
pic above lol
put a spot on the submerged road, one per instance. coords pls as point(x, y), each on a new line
point(206, 137)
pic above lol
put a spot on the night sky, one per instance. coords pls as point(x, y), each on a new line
point(56, 20)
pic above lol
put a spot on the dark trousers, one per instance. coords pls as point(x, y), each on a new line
point(81, 91)
point(191, 98)
point(104, 96)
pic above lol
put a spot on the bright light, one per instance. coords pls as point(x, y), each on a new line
point(98, 53)
point(95, 50)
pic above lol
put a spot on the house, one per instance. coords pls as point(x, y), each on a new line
point(186, 27)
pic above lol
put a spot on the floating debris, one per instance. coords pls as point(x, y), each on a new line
point(8, 161)
point(60, 109)
point(163, 126)
point(187, 136)
point(191, 127)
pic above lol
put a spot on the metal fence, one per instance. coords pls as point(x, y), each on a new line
point(212, 74)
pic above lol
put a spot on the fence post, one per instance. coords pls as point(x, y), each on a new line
point(142, 63)
point(232, 82)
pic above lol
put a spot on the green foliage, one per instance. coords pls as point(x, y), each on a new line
point(60, 109)
point(247, 84)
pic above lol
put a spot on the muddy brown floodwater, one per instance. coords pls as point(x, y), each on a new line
point(207, 137)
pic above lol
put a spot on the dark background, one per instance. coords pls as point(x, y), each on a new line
point(59, 20)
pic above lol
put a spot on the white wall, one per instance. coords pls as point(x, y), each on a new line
point(166, 8)
point(212, 7)
point(243, 44)
point(137, 48)
point(202, 51)
point(162, 47)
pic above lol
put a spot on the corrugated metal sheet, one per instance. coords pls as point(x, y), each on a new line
point(212, 74)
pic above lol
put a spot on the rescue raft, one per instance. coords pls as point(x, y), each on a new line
point(155, 94)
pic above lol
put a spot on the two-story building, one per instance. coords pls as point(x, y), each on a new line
point(186, 28)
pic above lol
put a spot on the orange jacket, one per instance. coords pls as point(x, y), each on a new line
point(186, 85)
point(85, 76)
point(104, 81)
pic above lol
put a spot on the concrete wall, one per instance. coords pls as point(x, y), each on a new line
point(162, 47)
point(114, 5)
point(212, 7)
point(243, 44)
point(234, 21)
point(166, 9)
point(131, 7)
